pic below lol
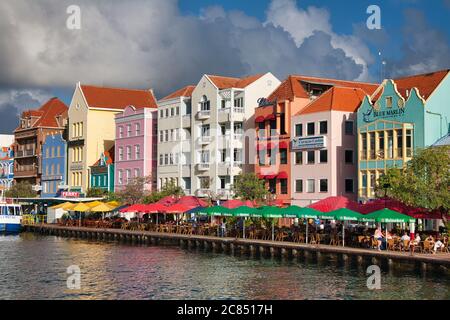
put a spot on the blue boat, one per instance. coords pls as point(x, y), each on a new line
point(10, 218)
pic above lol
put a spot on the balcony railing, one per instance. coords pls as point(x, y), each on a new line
point(204, 139)
point(238, 109)
point(203, 114)
point(203, 166)
point(202, 192)
point(25, 153)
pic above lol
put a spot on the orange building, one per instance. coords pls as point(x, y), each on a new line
point(273, 127)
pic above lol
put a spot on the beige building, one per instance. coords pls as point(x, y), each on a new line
point(92, 126)
point(208, 137)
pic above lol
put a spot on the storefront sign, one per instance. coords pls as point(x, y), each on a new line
point(70, 194)
point(373, 114)
point(263, 102)
point(308, 143)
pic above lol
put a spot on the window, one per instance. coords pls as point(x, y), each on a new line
point(363, 146)
point(177, 111)
point(298, 130)
point(166, 159)
point(223, 182)
point(283, 123)
point(349, 128)
point(223, 155)
point(390, 144)
point(409, 143)
point(120, 174)
point(58, 151)
point(273, 127)
point(161, 159)
point(372, 145)
point(311, 157)
point(137, 151)
point(128, 152)
point(223, 104)
point(323, 185)
point(299, 186)
point(223, 129)
point(323, 156)
point(323, 127)
point(167, 113)
point(204, 156)
point(399, 143)
point(137, 173)
point(205, 104)
point(349, 156)
point(237, 155)
point(47, 152)
point(128, 177)
point(161, 136)
point(53, 152)
point(349, 186)
point(161, 113)
point(262, 157)
point(273, 186)
point(238, 128)
point(138, 129)
point(204, 130)
point(388, 102)
point(283, 156)
point(298, 157)
point(58, 169)
point(129, 130)
point(120, 154)
point(310, 185)
point(311, 129)
point(172, 112)
point(261, 130)
point(284, 186)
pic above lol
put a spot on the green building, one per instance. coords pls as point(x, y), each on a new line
point(401, 116)
point(102, 172)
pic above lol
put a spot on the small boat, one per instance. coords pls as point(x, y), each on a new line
point(10, 217)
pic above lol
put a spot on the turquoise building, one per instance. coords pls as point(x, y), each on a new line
point(102, 172)
point(402, 115)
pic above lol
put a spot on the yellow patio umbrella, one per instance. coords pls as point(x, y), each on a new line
point(59, 205)
point(103, 207)
point(113, 203)
point(94, 203)
point(80, 207)
point(67, 205)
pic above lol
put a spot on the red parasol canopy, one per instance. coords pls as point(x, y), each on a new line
point(167, 200)
point(134, 208)
point(234, 203)
point(177, 208)
point(335, 203)
point(154, 208)
point(192, 202)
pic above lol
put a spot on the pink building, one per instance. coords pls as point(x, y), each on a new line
point(324, 146)
point(135, 153)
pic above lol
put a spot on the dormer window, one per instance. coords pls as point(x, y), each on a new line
point(29, 123)
point(23, 124)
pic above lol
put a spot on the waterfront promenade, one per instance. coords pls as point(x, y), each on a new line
point(440, 261)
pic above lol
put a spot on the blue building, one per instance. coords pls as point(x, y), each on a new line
point(6, 168)
point(54, 165)
point(402, 116)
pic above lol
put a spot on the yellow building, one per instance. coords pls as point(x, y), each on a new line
point(92, 126)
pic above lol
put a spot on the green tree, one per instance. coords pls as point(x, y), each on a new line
point(169, 189)
point(425, 181)
point(21, 190)
point(248, 186)
point(134, 192)
point(96, 193)
point(386, 183)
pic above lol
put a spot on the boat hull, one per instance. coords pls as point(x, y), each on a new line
point(10, 224)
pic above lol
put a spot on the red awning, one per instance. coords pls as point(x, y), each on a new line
point(270, 117)
point(283, 145)
point(259, 119)
point(260, 176)
point(270, 176)
point(176, 208)
point(282, 175)
point(154, 208)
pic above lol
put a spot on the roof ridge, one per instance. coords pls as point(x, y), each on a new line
point(333, 79)
point(114, 88)
point(422, 74)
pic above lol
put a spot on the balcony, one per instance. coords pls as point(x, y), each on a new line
point(25, 173)
point(238, 109)
point(204, 139)
point(202, 192)
point(25, 153)
point(203, 166)
point(224, 193)
point(203, 114)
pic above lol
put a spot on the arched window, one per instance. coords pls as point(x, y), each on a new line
point(204, 104)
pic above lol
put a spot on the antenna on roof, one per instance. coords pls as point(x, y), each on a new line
point(382, 67)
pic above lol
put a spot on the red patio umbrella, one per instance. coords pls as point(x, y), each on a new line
point(167, 200)
point(154, 208)
point(335, 203)
point(192, 202)
point(176, 208)
point(235, 203)
point(134, 208)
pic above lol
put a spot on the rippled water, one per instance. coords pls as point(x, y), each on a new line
point(34, 267)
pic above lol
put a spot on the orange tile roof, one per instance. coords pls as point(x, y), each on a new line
point(338, 99)
point(426, 83)
point(292, 87)
point(109, 157)
point(47, 114)
point(229, 82)
point(118, 98)
point(183, 92)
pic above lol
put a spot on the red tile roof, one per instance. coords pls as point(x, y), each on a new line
point(118, 98)
point(229, 82)
point(426, 83)
point(292, 87)
point(336, 98)
point(183, 92)
point(47, 114)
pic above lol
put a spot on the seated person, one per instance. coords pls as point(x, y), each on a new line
point(437, 245)
point(429, 238)
point(417, 239)
point(405, 237)
point(378, 235)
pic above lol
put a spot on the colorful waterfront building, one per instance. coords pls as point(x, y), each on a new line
point(174, 144)
point(323, 146)
point(222, 130)
point(401, 116)
point(54, 165)
point(92, 128)
point(6, 161)
point(102, 172)
point(136, 145)
point(273, 122)
point(29, 136)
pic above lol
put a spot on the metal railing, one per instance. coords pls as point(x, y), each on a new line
point(34, 219)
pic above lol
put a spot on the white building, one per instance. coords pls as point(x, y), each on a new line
point(202, 146)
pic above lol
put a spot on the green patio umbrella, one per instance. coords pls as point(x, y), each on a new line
point(307, 213)
point(291, 212)
point(345, 214)
point(389, 216)
point(273, 213)
point(243, 212)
